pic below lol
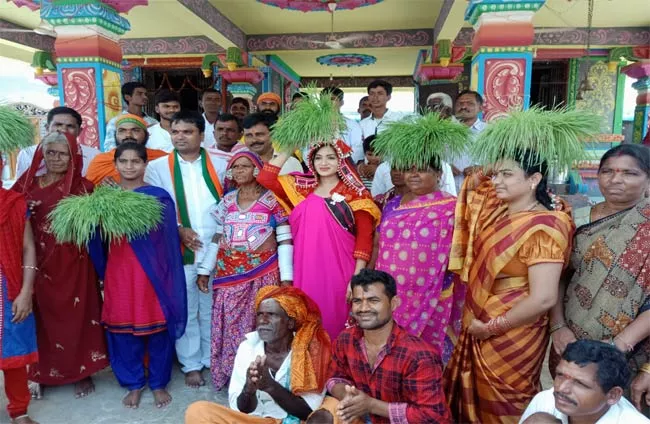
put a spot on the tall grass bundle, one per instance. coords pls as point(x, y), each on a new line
point(315, 119)
point(16, 132)
point(555, 136)
point(116, 212)
point(421, 140)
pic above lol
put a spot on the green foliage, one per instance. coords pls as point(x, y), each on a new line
point(16, 132)
point(118, 213)
point(420, 140)
point(315, 119)
point(555, 136)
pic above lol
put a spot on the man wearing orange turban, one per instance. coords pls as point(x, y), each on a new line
point(128, 128)
point(269, 103)
point(280, 369)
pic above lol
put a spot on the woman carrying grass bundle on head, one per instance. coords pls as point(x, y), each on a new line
point(17, 273)
point(510, 245)
point(67, 301)
point(332, 213)
point(145, 303)
point(414, 237)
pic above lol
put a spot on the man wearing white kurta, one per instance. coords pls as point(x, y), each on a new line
point(193, 348)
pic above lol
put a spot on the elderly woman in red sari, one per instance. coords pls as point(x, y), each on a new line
point(67, 302)
point(332, 222)
point(607, 291)
point(251, 249)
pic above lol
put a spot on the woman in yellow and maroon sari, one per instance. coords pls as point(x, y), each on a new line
point(510, 244)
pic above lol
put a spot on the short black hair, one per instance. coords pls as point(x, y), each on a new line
point(477, 96)
point(367, 143)
point(129, 88)
point(242, 101)
point(363, 99)
point(209, 90)
point(165, 96)
point(298, 95)
point(371, 276)
point(227, 117)
point(381, 83)
point(190, 117)
point(333, 92)
point(63, 110)
point(638, 152)
point(139, 149)
point(259, 118)
point(613, 370)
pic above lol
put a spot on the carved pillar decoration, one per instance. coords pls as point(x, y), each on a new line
point(446, 63)
point(502, 63)
point(640, 71)
point(88, 58)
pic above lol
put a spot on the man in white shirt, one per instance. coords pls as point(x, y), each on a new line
point(467, 108)
point(257, 137)
point(134, 95)
point(352, 136)
point(211, 104)
point(167, 104)
point(266, 370)
point(194, 179)
point(61, 119)
point(588, 388)
point(379, 93)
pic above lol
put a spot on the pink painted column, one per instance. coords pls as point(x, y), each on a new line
point(502, 62)
point(89, 59)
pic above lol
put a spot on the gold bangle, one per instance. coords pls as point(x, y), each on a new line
point(645, 368)
point(556, 327)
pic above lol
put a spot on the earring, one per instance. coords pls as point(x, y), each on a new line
point(229, 174)
point(256, 172)
point(532, 187)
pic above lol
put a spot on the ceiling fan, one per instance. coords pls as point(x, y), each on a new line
point(43, 28)
point(332, 41)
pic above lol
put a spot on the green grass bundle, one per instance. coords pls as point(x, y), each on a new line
point(118, 213)
point(421, 140)
point(16, 132)
point(314, 119)
point(555, 136)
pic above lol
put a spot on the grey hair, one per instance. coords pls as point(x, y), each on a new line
point(54, 137)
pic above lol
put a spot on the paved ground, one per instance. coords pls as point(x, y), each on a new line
point(59, 406)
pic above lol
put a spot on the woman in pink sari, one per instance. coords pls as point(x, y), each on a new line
point(414, 243)
point(332, 222)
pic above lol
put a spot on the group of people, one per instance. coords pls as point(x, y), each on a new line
point(313, 298)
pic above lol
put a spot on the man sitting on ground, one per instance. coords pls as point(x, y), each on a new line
point(128, 128)
point(588, 388)
point(280, 369)
point(380, 373)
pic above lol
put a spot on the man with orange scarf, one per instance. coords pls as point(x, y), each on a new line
point(280, 369)
point(128, 127)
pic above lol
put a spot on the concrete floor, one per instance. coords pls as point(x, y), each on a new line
point(59, 406)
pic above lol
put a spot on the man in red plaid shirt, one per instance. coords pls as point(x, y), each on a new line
point(379, 372)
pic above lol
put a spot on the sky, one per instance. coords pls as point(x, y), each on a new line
point(17, 84)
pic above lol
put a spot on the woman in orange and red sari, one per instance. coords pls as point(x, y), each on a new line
point(511, 242)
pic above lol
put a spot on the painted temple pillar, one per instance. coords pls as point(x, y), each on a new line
point(641, 72)
point(501, 67)
point(89, 59)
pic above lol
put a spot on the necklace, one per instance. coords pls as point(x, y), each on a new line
point(530, 208)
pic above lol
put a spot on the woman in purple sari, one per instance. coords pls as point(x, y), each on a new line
point(414, 243)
